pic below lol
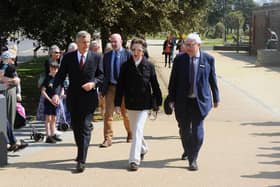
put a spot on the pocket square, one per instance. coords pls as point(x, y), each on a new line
point(202, 65)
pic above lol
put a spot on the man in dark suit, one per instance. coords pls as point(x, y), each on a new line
point(85, 71)
point(112, 63)
point(191, 88)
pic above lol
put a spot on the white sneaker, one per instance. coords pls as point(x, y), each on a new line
point(58, 133)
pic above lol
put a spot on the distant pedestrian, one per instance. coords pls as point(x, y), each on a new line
point(167, 47)
point(192, 90)
point(95, 47)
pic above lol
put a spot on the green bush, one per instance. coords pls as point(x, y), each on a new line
point(29, 73)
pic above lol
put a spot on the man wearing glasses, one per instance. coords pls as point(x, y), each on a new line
point(193, 90)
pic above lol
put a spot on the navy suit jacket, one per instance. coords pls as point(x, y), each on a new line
point(206, 83)
point(79, 100)
point(125, 56)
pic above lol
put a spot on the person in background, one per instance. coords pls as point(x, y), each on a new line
point(139, 87)
point(180, 44)
point(108, 48)
point(167, 47)
point(112, 63)
point(8, 77)
point(95, 47)
point(192, 91)
point(55, 56)
point(72, 47)
point(50, 108)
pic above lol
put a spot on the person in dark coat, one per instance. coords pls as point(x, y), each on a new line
point(139, 86)
point(85, 73)
point(193, 91)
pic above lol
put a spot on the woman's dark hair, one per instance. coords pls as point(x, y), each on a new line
point(137, 41)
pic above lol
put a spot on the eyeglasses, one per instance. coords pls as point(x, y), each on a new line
point(56, 52)
point(190, 44)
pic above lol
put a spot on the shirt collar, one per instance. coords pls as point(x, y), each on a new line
point(80, 54)
point(119, 50)
point(138, 62)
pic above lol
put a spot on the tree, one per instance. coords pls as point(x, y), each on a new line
point(219, 30)
point(7, 21)
point(235, 20)
point(57, 22)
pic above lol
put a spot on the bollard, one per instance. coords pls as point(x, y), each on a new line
point(3, 120)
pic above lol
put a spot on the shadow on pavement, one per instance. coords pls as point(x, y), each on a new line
point(273, 153)
point(239, 56)
point(267, 134)
point(51, 164)
point(265, 175)
point(266, 123)
point(116, 164)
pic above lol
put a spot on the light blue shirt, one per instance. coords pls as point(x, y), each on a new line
point(114, 53)
point(79, 55)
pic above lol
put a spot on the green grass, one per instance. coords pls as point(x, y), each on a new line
point(212, 42)
point(29, 73)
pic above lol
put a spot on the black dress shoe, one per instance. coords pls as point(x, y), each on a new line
point(184, 156)
point(80, 167)
point(193, 166)
point(22, 144)
point(56, 138)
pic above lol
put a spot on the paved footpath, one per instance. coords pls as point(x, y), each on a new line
point(241, 146)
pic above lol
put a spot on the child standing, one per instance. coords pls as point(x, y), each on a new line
point(50, 108)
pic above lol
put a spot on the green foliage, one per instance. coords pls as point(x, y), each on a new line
point(218, 10)
point(57, 22)
point(219, 30)
point(234, 20)
point(29, 74)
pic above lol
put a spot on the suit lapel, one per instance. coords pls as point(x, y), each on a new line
point(76, 63)
point(110, 62)
point(187, 66)
point(87, 60)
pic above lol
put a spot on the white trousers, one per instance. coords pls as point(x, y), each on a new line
point(137, 120)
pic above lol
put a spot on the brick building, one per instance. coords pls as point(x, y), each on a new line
point(262, 18)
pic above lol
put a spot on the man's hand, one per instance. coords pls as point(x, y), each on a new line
point(55, 99)
point(172, 105)
point(88, 86)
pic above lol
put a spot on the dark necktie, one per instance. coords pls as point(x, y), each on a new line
point(82, 62)
point(191, 75)
point(116, 66)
